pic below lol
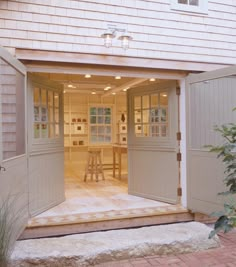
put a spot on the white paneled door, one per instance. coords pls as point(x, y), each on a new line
point(46, 144)
point(152, 142)
point(13, 156)
point(211, 97)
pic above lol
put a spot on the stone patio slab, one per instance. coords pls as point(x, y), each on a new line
point(98, 247)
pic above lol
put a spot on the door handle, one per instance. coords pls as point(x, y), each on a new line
point(2, 168)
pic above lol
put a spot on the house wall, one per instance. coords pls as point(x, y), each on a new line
point(157, 30)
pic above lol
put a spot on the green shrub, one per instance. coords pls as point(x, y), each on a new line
point(227, 153)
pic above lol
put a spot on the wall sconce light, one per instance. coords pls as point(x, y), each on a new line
point(111, 32)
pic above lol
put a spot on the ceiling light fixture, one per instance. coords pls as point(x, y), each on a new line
point(110, 33)
point(71, 86)
point(117, 77)
point(93, 93)
point(114, 93)
point(87, 76)
point(107, 88)
point(125, 89)
point(152, 80)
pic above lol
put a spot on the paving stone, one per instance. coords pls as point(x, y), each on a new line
point(96, 248)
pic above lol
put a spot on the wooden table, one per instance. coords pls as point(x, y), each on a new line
point(119, 150)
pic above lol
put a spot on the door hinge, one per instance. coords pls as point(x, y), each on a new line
point(179, 192)
point(178, 136)
point(179, 156)
point(2, 168)
point(178, 90)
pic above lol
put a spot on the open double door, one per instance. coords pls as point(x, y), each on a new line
point(31, 141)
point(31, 137)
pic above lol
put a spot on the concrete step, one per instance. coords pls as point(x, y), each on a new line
point(94, 248)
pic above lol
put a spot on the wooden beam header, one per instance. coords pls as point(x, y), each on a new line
point(112, 60)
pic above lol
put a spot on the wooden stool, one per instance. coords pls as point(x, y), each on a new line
point(94, 165)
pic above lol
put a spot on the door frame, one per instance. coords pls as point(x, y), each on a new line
point(126, 71)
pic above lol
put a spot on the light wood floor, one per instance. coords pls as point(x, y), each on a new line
point(103, 205)
point(91, 196)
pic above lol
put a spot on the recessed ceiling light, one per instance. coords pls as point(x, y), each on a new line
point(107, 88)
point(93, 93)
point(152, 80)
point(125, 89)
point(114, 93)
point(70, 86)
point(117, 77)
point(164, 95)
point(87, 76)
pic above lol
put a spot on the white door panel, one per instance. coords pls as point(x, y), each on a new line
point(211, 98)
point(46, 147)
point(13, 157)
point(152, 144)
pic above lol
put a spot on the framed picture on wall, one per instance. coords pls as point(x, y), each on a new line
point(79, 128)
point(123, 128)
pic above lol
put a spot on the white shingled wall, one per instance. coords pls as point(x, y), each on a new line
point(158, 31)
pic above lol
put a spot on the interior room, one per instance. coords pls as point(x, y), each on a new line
point(95, 121)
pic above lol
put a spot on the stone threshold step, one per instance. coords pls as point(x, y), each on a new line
point(116, 222)
point(99, 247)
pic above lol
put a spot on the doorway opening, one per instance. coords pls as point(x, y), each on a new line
point(98, 115)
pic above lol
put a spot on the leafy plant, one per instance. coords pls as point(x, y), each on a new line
point(227, 152)
point(9, 221)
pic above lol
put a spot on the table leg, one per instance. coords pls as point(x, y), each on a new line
point(114, 163)
point(119, 158)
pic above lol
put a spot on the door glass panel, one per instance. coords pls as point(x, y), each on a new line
point(146, 128)
point(43, 97)
point(164, 99)
point(194, 2)
point(137, 116)
point(57, 132)
point(44, 130)
point(36, 130)
point(154, 100)
point(138, 130)
point(13, 111)
point(145, 101)
point(50, 99)
point(46, 113)
point(137, 102)
point(36, 96)
point(152, 119)
point(57, 115)
point(56, 100)
point(145, 116)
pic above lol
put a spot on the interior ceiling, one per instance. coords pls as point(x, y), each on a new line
point(79, 83)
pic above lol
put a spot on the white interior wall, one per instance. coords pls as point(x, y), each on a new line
point(76, 105)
